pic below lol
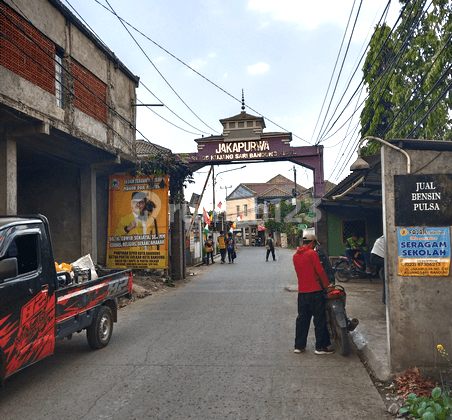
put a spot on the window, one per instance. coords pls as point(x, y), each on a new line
point(249, 123)
point(59, 91)
point(232, 125)
point(348, 227)
point(238, 210)
point(25, 249)
point(241, 124)
point(245, 210)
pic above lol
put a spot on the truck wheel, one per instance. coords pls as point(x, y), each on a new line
point(101, 329)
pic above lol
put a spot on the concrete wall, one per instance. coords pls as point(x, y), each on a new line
point(231, 209)
point(417, 307)
point(55, 159)
point(53, 190)
point(83, 52)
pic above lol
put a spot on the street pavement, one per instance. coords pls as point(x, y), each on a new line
point(220, 347)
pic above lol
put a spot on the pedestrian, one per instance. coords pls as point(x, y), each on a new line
point(209, 249)
point(222, 246)
point(354, 246)
point(270, 245)
point(377, 258)
point(310, 297)
point(230, 243)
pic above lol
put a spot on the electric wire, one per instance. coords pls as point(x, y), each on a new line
point(141, 82)
point(199, 74)
point(158, 71)
point(341, 68)
point(397, 56)
point(334, 70)
point(131, 125)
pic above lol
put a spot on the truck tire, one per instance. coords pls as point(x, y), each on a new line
point(99, 332)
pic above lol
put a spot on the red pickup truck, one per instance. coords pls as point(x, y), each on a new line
point(39, 306)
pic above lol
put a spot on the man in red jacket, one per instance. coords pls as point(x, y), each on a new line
point(310, 297)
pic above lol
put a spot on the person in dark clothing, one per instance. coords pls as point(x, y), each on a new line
point(230, 246)
point(209, 249)
point(307, 265)
point(222, 246)
point(356, 245)
point(326, 264)
point(270, 245)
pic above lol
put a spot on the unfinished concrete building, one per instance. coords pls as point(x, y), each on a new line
point(67, 119)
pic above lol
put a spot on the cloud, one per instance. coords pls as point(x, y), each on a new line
point(258, 68)
point(159, 59)
point(197, 63)
point(309, 14)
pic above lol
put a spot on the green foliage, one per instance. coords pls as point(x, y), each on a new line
point(402, 68)
point(284, 221)
point(179, 173)
point(436, 407)
point(170, 283)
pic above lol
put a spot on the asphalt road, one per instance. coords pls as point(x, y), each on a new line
point(220, 347)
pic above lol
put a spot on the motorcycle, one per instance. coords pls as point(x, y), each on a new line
point(344, 270)
point(338, 323)
point(258, 241)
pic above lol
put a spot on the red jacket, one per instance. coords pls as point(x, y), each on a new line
point(308, 268)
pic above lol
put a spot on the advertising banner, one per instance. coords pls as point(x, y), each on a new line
point(424, 251)
point(138, 222)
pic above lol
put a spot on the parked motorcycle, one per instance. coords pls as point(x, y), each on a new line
point(258, 241)
point(338, 323)
point(344, 270)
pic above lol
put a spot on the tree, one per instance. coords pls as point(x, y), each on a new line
point(179, 173)
point(282, 221)
point(377, 111)
point(407, 75)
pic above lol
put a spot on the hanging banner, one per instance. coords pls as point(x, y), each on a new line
point(424, 251)
point(138, 222)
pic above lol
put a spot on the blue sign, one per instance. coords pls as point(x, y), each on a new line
point(424, 251)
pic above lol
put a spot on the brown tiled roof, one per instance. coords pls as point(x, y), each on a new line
point(145, 148)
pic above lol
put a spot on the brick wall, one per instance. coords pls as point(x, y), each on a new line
point(23, 56)
point(92, 104)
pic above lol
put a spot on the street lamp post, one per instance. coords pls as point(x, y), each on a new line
point(214, 181)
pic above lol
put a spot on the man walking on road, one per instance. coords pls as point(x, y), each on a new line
point(222, 246)
point(310, 297)
point(270, 245)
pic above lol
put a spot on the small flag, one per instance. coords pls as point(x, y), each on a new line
point(219, 205)
point(206, 217)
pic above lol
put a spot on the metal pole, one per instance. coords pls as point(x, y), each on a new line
point(197, 205)
point(213, 186)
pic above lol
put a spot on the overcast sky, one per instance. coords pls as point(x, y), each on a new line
point(282, 53)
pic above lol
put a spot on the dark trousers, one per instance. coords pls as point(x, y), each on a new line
point(272, 250)
point(311, 305)
point(223, 254)
point(209, 254)
point(230, 255)
point(379, 262)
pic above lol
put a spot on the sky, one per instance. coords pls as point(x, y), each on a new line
point(196, 56)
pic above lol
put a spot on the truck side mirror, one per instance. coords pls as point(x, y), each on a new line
point(8, 268)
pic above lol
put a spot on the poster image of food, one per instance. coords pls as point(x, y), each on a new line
point(138, 222)
point(424, 251)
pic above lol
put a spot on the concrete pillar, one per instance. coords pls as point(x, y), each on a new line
point(177, 258)
point(88, 234)
point(8, 176)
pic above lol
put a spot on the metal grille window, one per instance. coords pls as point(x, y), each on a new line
point(349, 227)
point(59, 79)
point(238, 210)
point(245, 210)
